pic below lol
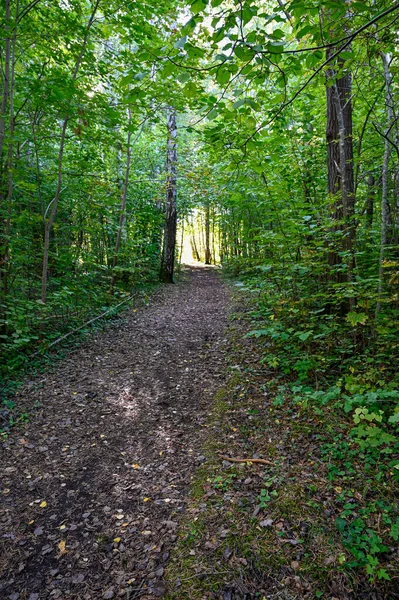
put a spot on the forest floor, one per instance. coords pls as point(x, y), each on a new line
point(119, 485)
point(94, 483)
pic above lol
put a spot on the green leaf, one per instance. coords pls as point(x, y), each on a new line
point(275, 47)
point(183, 77)
point(197, 6)
point(243, 53)
point(278, 34)
point(382, 574)
point(181, 42)
point(355, 318)
point(347, 55)
point(190, 90)
point(223, 76)
point(212, 114)
point(239, 103)
point(303, 336)
point(194, 51)
point(250, 122)
point(257, 333)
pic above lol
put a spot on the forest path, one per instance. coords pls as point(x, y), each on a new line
point(92, 486)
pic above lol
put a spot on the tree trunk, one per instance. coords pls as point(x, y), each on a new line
point(6, 78)
point(5, 168)
point(208, 255)
point(385, 209)
point(194, 248)
point(169, 239)
point(213, 248)
point(370, 201)
point(181, 243)
point(52, 207)
point(395, 211)
point(122, 215)
point(340, 173)
point(6, 199)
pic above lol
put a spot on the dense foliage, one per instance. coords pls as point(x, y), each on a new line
point(75, 132)
point(288, 173)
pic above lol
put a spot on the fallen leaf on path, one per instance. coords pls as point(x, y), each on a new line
point(62, 548)
point(266, 523)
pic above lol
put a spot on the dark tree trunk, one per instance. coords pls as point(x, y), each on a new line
point(341, 186)
point(169, 239)
point(194, 248)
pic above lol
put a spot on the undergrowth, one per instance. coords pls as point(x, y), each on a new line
point(318, 396)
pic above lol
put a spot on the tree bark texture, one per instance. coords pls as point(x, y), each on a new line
point(208, 254)
point(341, 184)
point(169, 238)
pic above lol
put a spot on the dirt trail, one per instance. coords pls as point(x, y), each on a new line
point(92, 488)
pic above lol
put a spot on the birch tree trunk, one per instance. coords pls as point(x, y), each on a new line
point(122, 215)
point(169, 238)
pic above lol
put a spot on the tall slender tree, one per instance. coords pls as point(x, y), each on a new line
point(341, 185)
point(169, 239)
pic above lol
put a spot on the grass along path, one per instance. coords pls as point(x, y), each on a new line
point(294, 527)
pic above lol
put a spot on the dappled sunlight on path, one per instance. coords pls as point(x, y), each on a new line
point(94, 486)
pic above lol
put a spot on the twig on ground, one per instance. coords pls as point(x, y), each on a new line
point(261, 461)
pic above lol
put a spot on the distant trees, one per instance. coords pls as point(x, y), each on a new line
point(279, 133)
point(287, 195)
